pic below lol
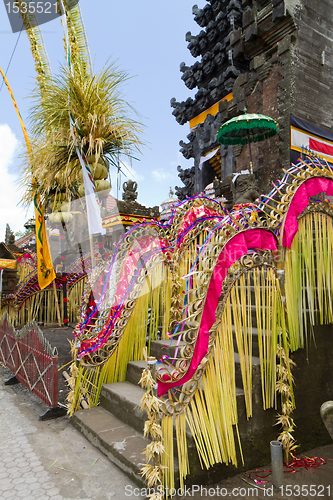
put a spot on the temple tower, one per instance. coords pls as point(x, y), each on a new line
point(272, 57)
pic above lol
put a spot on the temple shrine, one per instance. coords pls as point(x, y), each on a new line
point(271, 57)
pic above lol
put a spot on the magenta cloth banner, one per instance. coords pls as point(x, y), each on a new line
point(310, 187)
point(146, 245)
point(238, 246)
point(193, 215)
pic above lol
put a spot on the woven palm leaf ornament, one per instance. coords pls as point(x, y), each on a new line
point(200, 414)
point(303, 221)
point(37, 46)
point(311, 178)
point(129, 294)
point(76, 46)
point(207, 395)
point(197, 234)
point(100, 117)
point(144, 261)
point(30, 303)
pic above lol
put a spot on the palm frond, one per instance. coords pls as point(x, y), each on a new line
point(103, 120)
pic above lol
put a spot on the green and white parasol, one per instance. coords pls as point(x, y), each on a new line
point(247, 128)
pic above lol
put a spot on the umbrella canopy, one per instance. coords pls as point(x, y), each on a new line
point(247, 128)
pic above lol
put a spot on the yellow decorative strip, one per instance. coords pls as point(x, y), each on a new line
point(7, 264)
point(213, 110)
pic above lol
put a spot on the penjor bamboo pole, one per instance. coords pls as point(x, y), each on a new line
point(93, 261)
point(63, 274)
point(57, 303)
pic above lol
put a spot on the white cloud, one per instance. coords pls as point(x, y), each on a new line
point(161, 175)
point(132, 173)
point(10, 213)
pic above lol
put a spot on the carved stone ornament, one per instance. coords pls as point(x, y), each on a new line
point(130, 190)
point(245, 189)
point(9, 237)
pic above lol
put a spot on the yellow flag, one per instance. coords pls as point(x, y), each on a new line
point(45, 269)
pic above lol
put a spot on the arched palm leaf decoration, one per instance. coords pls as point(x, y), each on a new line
point(303, 218)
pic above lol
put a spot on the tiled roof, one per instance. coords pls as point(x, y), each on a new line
point(26, 240)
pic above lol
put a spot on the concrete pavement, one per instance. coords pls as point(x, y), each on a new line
point(49, 460)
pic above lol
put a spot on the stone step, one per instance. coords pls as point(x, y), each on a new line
point(134, 371)
point(122, 399)
point(119, 442)
point(115, 427)
point(159, 348)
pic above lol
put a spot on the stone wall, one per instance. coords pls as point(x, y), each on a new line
point(313, 386)
point(312, 62)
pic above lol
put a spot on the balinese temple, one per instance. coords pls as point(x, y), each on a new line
point(271, 57)
point(8, 274)
point(121, 214)
point(167, 207)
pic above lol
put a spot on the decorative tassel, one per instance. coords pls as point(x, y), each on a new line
point(309, 278)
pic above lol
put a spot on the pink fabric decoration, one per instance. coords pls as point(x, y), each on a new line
point(140, 247)
point(193, 214)
point(25, 256)
point(233, 250)
point(310, 187)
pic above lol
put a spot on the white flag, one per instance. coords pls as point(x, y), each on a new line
point(93, 210)
point(207, 157)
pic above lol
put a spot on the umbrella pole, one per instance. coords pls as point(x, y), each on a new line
point(250, 153)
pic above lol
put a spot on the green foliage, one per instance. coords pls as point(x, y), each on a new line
point(20, 234)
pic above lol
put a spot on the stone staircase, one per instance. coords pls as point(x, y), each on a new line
point(115, 427)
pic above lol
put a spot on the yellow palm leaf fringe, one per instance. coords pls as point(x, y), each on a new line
point(165, 302)
point(9, 311)
point(309, 277)
point(241, 308)
point(180, 421)
point(168, 455)
point(24, 268)
point(74, 300)
point(271, 329)
point(89, 380)
point(41, 307)
point(211, 415)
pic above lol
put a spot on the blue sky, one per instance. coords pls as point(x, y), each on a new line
point(147, 40)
